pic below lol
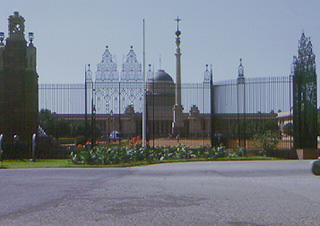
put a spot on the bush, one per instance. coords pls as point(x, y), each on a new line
point(241, 152)
point(268, 142)
point(115, 155)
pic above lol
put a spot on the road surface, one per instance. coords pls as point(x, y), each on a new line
point(195, 193)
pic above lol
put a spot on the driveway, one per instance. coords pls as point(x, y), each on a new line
point(195, 193)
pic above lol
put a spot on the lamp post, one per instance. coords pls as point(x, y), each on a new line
point(88, 80)
point(112, 119)
point(212, 124)
point(144, 109)
point(119, 117)
point(93, 112)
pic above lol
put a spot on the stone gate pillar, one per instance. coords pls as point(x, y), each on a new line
point(18, 88)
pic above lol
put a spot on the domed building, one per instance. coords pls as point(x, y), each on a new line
point(160, 101)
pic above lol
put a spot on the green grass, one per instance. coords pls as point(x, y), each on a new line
point(59, 163)
point(41, 163)
point(252, 158)
point(66, 163)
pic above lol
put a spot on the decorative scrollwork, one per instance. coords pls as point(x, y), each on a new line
point(110, 93)
point(206, 75)
point(107, 68)
point(131, 68)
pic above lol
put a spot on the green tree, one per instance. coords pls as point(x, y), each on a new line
point(59, 127)
point(288, 129)
point(77, 129)
point(52, 125)
point(267, 141)
point(243, 129)
point(269, 125)
point(305, 96)
point(249, 128)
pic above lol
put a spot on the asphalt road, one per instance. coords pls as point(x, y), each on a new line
point(198, 193)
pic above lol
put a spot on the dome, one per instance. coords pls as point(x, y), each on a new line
point(162, 76)
point(162, 83)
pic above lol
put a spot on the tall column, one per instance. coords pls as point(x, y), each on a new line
point(241, 106)
point(177, 127)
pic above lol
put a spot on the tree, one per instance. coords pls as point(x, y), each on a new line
point(52, 125)
point(250, 128)
point(305, 96)
point(269, 125)
point(59, 127)
point(288, 129)
point(77, 129)
point(45, 115)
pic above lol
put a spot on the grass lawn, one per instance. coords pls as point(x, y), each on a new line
point(41, 163)
point(66, 163)
point(59, 163)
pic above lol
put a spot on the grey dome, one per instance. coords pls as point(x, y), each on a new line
point(162, 76)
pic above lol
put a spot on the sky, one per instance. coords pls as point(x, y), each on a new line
point(264, 33)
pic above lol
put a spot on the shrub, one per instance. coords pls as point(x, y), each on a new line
point(115, 154)
point(268, 142)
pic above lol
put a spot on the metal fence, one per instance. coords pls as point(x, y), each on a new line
point(233, 101)
point(255, 95)
point(70, 98)
point(62, 98)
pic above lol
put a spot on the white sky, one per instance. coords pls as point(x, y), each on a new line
point(70, 34)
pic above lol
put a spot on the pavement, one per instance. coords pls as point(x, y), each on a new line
point(194, 193)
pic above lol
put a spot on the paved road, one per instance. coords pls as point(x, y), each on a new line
point(202, 193)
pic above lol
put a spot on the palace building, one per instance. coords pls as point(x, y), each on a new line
point(114, 99)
